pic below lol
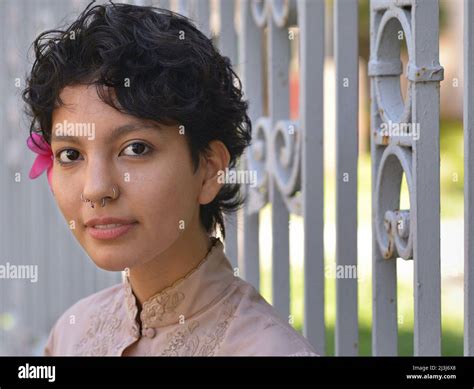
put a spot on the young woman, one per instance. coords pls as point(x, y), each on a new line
point(134, 114)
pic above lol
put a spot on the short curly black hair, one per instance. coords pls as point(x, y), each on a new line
point(176, 76)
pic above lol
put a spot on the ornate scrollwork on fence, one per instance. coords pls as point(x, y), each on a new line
point(275, 152)
point(393, 225)
point(393, 132)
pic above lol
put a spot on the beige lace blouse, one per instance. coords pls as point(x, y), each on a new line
point(208, 312)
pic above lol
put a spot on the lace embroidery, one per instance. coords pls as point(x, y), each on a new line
point(101, 336)
point(185, 341)
point(154, 309)
point(213, 340)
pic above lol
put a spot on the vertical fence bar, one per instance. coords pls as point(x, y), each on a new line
point(202, 13)
point(425, 76)
point(36, 293)
point(164, 4)
point(197, 10)
point(181, 6)
point(4, 5)
point(17, 303)
point(251, 72)
point(227, 45)
point(384, 271)
point(347, 119)
point(278, 65)
point(468, 178)
point(44, 210)
point(227, 36)
point(311, 24)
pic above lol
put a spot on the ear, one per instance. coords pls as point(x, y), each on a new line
point(214, 163)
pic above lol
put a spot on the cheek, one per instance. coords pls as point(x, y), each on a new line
point(67, 198)
point(167, 197)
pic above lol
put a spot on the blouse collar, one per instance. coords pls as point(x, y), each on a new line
point(188, 295)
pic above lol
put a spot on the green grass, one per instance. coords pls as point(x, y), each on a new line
point(452, 169)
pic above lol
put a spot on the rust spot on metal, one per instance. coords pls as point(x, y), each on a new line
point(389, 252)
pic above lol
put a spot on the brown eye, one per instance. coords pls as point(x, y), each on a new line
point(68, 155)
point(136, 149)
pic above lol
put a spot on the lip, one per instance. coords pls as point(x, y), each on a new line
point(109, 233)
point(108, 220)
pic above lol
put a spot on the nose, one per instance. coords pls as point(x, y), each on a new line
point(99, 182)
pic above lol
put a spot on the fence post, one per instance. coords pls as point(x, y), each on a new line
point(311, 23)
point(347, 140)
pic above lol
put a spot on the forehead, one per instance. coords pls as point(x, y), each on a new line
point(82, 104)
point(82, 100)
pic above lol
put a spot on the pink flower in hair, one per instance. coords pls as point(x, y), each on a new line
point(44, 160)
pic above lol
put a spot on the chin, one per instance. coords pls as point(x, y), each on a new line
point(110, 265)
point(113, 261)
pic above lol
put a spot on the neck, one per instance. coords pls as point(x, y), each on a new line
point(161, 272)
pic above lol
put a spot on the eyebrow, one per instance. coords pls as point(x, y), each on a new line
point(116, 133)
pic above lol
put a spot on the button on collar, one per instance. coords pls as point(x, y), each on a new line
point(149, 332)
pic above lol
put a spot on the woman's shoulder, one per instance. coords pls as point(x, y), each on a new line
point(75, 319)
point(259, 329)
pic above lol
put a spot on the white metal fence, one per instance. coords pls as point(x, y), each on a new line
point(286, 153)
